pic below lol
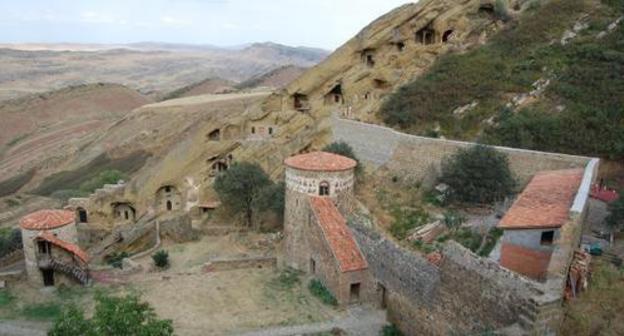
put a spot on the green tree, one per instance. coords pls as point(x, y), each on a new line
point(113, 316)
point(271, 198)
point(478, 174)
point(616, 213)
point(240, 188)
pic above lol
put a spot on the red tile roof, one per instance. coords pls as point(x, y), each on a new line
point(545, 202)
point(47, 219)
point(67, 246)
point(320, 161)
point(338, 235)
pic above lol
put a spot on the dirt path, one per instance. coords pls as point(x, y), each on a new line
point(360, 321)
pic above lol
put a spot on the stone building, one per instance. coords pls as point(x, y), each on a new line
point(51, 250)
point(533, 223)
point(319, 192)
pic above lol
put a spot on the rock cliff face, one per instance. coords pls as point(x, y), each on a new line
point(386, 54)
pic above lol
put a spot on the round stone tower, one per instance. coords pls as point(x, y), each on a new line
point(60, 224)
point(316, 174)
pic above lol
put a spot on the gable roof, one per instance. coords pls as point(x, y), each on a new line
point(47, 219)
point(545, 202)
point(337, 234)
point(67, 246)
point(320, 161)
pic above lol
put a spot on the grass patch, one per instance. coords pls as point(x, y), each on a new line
point(319, 290)
point(93, 171)
point(12, 185)
point(42, 311)
point(287, 279)
point(390, 330)
point(407, 219)
point(6, 298)
point(585, 78)
point(598, 310)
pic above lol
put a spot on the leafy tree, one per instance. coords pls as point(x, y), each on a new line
point(240, 188)
point(478, 174)
point(616, 213)
point(271, 198)
point(161, 259)
point(113, 316)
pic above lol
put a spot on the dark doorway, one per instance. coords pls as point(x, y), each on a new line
point(82, 215)
point(547, 237)
point(48, 277)
point(382, 292)
point(355, 292)
point(312, 266)
point(44, 248)
point(169, 206)
point(126, 215)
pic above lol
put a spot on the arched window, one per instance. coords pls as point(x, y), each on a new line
point(324, 189)
point(169, 206)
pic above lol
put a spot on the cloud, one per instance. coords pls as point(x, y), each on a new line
point(175, 22)
point(100, 18)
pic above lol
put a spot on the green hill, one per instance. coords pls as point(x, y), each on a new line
point(581, 111)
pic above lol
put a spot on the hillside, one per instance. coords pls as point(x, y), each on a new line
point(151, 68)
point(206, 86)
point(38, 130)
point(276, 78)
point(551, 80)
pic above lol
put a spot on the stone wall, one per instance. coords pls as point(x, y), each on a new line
point(464, 294)
point(415, 157)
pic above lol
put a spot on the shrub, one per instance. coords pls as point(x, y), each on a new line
point(492, 238)
point(10, 240)
point(111, 176)
point(616, 213)
point(390, 330)
point(453, 220)
point(113, 316)
point(115, 259)
point(320, 291)
point(478, 174)
point(406, 220)
point(161, 259)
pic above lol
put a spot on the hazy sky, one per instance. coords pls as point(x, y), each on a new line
point(316, 23)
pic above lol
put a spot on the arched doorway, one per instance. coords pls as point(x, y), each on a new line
point(169, 206)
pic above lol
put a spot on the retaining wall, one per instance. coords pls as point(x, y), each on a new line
point(242, 263)
point(416, 157)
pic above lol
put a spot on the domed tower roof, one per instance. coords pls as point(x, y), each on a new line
point(47, 219)
point(320, 161)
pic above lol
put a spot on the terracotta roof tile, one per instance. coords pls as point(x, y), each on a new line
point(47, 219)
point(338, 235)
point(67, 246)
point(545, 202)
point(320, 161)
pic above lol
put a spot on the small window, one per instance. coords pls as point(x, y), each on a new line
point(270, 130)
point(324, 189)
point(169, 206)
point(253, 130)
point(400, 46)
point(167, 189)
point(44, 247)
point(547, 237)
point(312, 266)
point(126, 215)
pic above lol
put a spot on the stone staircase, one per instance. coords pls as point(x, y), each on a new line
point(79, 273)
point(123, 236)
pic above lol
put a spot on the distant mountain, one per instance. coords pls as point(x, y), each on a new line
point(153, 68)
point(276, 78)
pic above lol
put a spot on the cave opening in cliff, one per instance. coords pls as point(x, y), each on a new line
point(334, 95)
point(447, 36)
point(425, 36)
point(215, 135)
point(368, 57)
point(300, 102)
